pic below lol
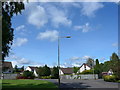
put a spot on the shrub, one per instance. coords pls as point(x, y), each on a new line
point(26, 75)
point(109, 78)
point(45, 77)
point(87, 72)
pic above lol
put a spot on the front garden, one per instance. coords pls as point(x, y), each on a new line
point(27, 83)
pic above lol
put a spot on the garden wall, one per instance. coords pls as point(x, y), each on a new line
point(85, 76)
point(9, 76)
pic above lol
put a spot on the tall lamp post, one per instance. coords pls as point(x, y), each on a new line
point(59, 57)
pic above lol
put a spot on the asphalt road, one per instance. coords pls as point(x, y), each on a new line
point(76, 83)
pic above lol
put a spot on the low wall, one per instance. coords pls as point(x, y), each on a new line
point(9, 76)
point(85, 76)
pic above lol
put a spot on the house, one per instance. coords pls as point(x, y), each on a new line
point(7, 67)
point(66, 71)
point(83, 68)
point(32, 69)
point(110, 72)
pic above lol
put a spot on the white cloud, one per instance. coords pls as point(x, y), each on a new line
point(74, 58)
point(21, 27)
point(41, 14)
point(58, 17)
point(115, 44)
point(89, 9)
point(20, 41)
point(37, 16)
point(16, 60)
point(49, 35)
point(86, 57)
point(84, 28)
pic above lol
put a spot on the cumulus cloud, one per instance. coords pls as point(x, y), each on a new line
point(21, 27)
point(89, 9)
point(59, 17)
point(43, 13)
point(37, 16)
point(83, 28)
point(49, 35)
point(19, 42)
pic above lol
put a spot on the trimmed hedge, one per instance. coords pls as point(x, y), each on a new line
point(110, 78)
point(45, 77)
point(87, 72)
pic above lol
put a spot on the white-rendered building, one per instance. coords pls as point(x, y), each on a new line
point(83, 68)
point(32, 69)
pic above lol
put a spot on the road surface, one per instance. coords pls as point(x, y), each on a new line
point(85, 84)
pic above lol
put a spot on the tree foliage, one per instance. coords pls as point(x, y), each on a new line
point(8, 10)
point(44, 71)
point(75, 69)
point(55, 72)
point(90, 62)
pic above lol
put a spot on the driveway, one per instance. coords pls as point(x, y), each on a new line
point(76, 83)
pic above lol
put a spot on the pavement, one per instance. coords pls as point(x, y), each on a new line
point(85, 84)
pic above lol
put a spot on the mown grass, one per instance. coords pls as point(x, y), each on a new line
point(27, 84)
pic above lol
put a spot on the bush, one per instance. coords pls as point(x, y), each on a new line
point(87, 72)
point(45, 77)
point(109, 78)
point(26, 75)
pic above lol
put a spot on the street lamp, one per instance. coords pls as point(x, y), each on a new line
point(59, 57)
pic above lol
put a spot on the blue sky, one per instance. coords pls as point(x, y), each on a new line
point(93, 27)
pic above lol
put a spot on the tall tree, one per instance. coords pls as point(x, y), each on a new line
point(8, 10)
point(115, 64)
point(47, 70)
point(90, 62)
point(16, 68)
point(55, 72)
point(114, 57)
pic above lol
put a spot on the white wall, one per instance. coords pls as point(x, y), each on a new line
point(61, 72)
point(35, 73)
point(28, 68)
point(83, 68)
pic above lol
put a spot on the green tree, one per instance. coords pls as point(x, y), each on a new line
point(28, 74)
point(8, 10)
point(47, 71)
point(16, 68)
point(22, 68)
point(114, 57)
point(115, 64)
point(98, 68)
point(43, 71)
point(55, 72)
point(40, 72)
point(90, 62)
point(75, 69)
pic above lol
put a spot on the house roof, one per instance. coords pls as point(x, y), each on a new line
point(67, 70)
point(33, 68)
point(7, 65)
point(84, 65)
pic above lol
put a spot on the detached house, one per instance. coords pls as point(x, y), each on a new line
point(66, 71)
point(32, 69)
point(83, 68)
point(7, 67)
